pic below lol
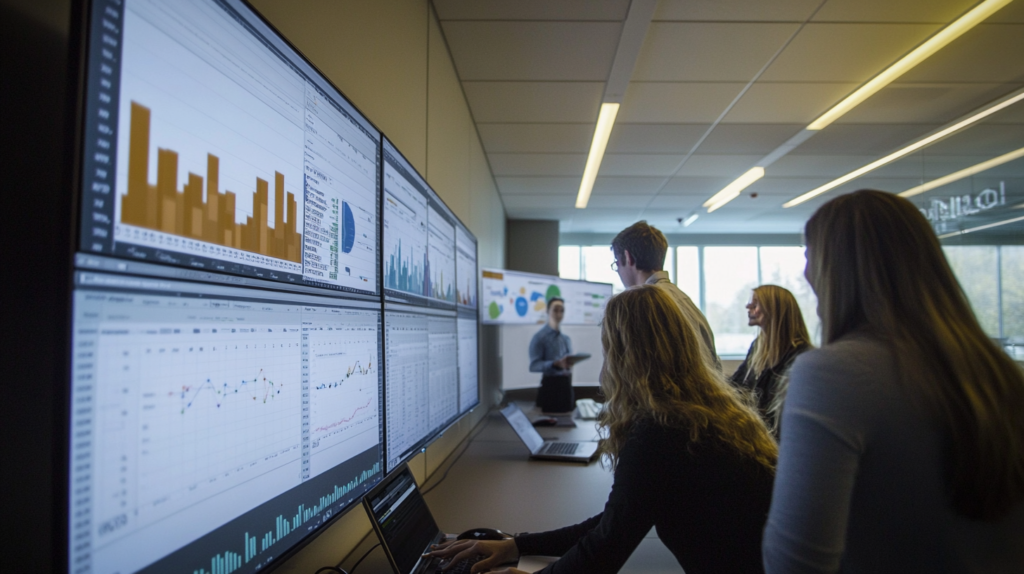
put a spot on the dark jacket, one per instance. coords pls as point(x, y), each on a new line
point(766, 385)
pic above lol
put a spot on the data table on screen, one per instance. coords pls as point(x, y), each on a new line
point(469, 391)
point(407, 345)
point(444, 370)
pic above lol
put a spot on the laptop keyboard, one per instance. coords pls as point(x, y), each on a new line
point(560, 448)
point(463, 567)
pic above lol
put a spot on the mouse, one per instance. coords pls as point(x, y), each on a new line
point(482, 534)
point(545, 422)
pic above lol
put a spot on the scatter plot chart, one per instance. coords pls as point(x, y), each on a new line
point(211, 407)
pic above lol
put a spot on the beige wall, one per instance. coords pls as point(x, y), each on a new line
point(391, 59)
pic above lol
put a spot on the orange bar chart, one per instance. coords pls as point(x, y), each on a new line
point(164, 207)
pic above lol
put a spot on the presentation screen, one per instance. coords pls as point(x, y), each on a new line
point(466, 276)
point(422, 394)
point(215, 427)
point(419, 237)
point(211, 144)
point(518, 298)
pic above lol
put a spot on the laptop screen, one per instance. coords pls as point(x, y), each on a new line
point(403, 518)
point(517, 419)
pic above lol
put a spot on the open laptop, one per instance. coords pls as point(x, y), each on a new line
point(406, 528)
point(551, 450)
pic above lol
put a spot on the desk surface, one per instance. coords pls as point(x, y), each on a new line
point(495, 484)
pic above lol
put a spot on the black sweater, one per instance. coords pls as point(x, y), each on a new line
point(708, 502)
point(766, 385)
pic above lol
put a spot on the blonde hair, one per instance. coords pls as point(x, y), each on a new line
point(877, 266)
point(653, 369)
point(783, 327)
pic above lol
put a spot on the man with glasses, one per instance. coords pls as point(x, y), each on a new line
point(639, 252)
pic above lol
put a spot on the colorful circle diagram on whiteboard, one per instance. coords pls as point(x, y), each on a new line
point(494, 310)
point(522, 306)
point(553, 291)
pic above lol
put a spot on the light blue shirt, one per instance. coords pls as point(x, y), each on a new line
point(546, 347)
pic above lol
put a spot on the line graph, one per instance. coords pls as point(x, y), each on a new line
point(344, 378)
point(270, 389)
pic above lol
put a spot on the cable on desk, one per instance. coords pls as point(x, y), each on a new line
point(487, 421)
point(360, 561)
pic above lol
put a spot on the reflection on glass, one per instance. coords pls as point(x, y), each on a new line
point(729, 275)
point(597, 261)
point(688, 272)
point(784, 266)
point(975, 267)
point(569, 261)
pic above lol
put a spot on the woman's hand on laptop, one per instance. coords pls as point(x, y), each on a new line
point(494, 552)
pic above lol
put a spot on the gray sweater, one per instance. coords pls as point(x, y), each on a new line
point(859, 485)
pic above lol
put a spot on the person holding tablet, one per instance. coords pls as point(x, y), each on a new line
point(903, 435)
point(690, 457)
point(551, 354)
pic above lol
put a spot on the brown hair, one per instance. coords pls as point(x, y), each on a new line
point(654, 370)
point(877, 266)
point(783, 327)
point(645, 243)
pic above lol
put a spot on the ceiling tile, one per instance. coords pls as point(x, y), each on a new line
point(703, 187)
point(828, 166)
point(862, 139)
point(729, 166)
point(1011, 13)
point(924, 103)
point(557, 102)
point(562, 51)
point(639, 164)
point(537, 163)
point(712, 52)
point(845, 52)
point(626, 185)
point(767, 103)
point(1011, 115)
point(538, 201)
point(934, 11)
point(531, 9)
point(635, 202)
point(538, 185)
point(748, 138)
point(654, 138)
point(682, 204)
point(736, 10)
point(522, 138)
point(678, 103)
point(981, 140)
point(983, 54)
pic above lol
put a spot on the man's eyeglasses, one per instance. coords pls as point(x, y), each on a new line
point(615, 266)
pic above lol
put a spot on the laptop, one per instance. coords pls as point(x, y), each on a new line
point(406, 528)
point(550, 450)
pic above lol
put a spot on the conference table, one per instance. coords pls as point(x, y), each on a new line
point(490, 481)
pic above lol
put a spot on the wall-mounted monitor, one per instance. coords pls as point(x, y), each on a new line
point(519, 298)
point(466, 278)
point(210, 144)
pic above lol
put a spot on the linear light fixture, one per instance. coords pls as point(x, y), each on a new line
point(915, 57)
point(955, 127)
point(968, 172)
point(693, 217)
point(605, 121)
point(732, 191)
point(980, 227)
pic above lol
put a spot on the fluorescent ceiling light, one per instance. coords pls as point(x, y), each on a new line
point(915, 57)
point(983, 166)
point(693, 217)
point(605, 121)
point(980, 227)
point(732, 191)
point(907, 150)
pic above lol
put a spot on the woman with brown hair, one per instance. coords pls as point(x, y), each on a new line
point(903, 436)
point(783, 335)
point(690, 457)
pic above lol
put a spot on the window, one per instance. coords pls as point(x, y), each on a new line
point(1011, 259)
point(729, 275)
point(597, 266)
point(977, 269)
point(784, 266)
point(688, 272)
point(569, 261)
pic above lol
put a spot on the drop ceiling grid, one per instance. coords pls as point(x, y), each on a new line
point(534, 76)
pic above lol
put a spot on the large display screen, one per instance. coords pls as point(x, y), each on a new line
point(419, 237)
point(211, 144)
point(514, 297)
point(213, 426)
point(466, 276)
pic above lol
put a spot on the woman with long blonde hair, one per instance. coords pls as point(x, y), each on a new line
point(903, 436)
point(690, 457)
point(783, 336)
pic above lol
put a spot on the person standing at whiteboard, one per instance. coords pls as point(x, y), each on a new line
point(549, 354)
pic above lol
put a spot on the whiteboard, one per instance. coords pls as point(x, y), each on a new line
point(518, 298)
